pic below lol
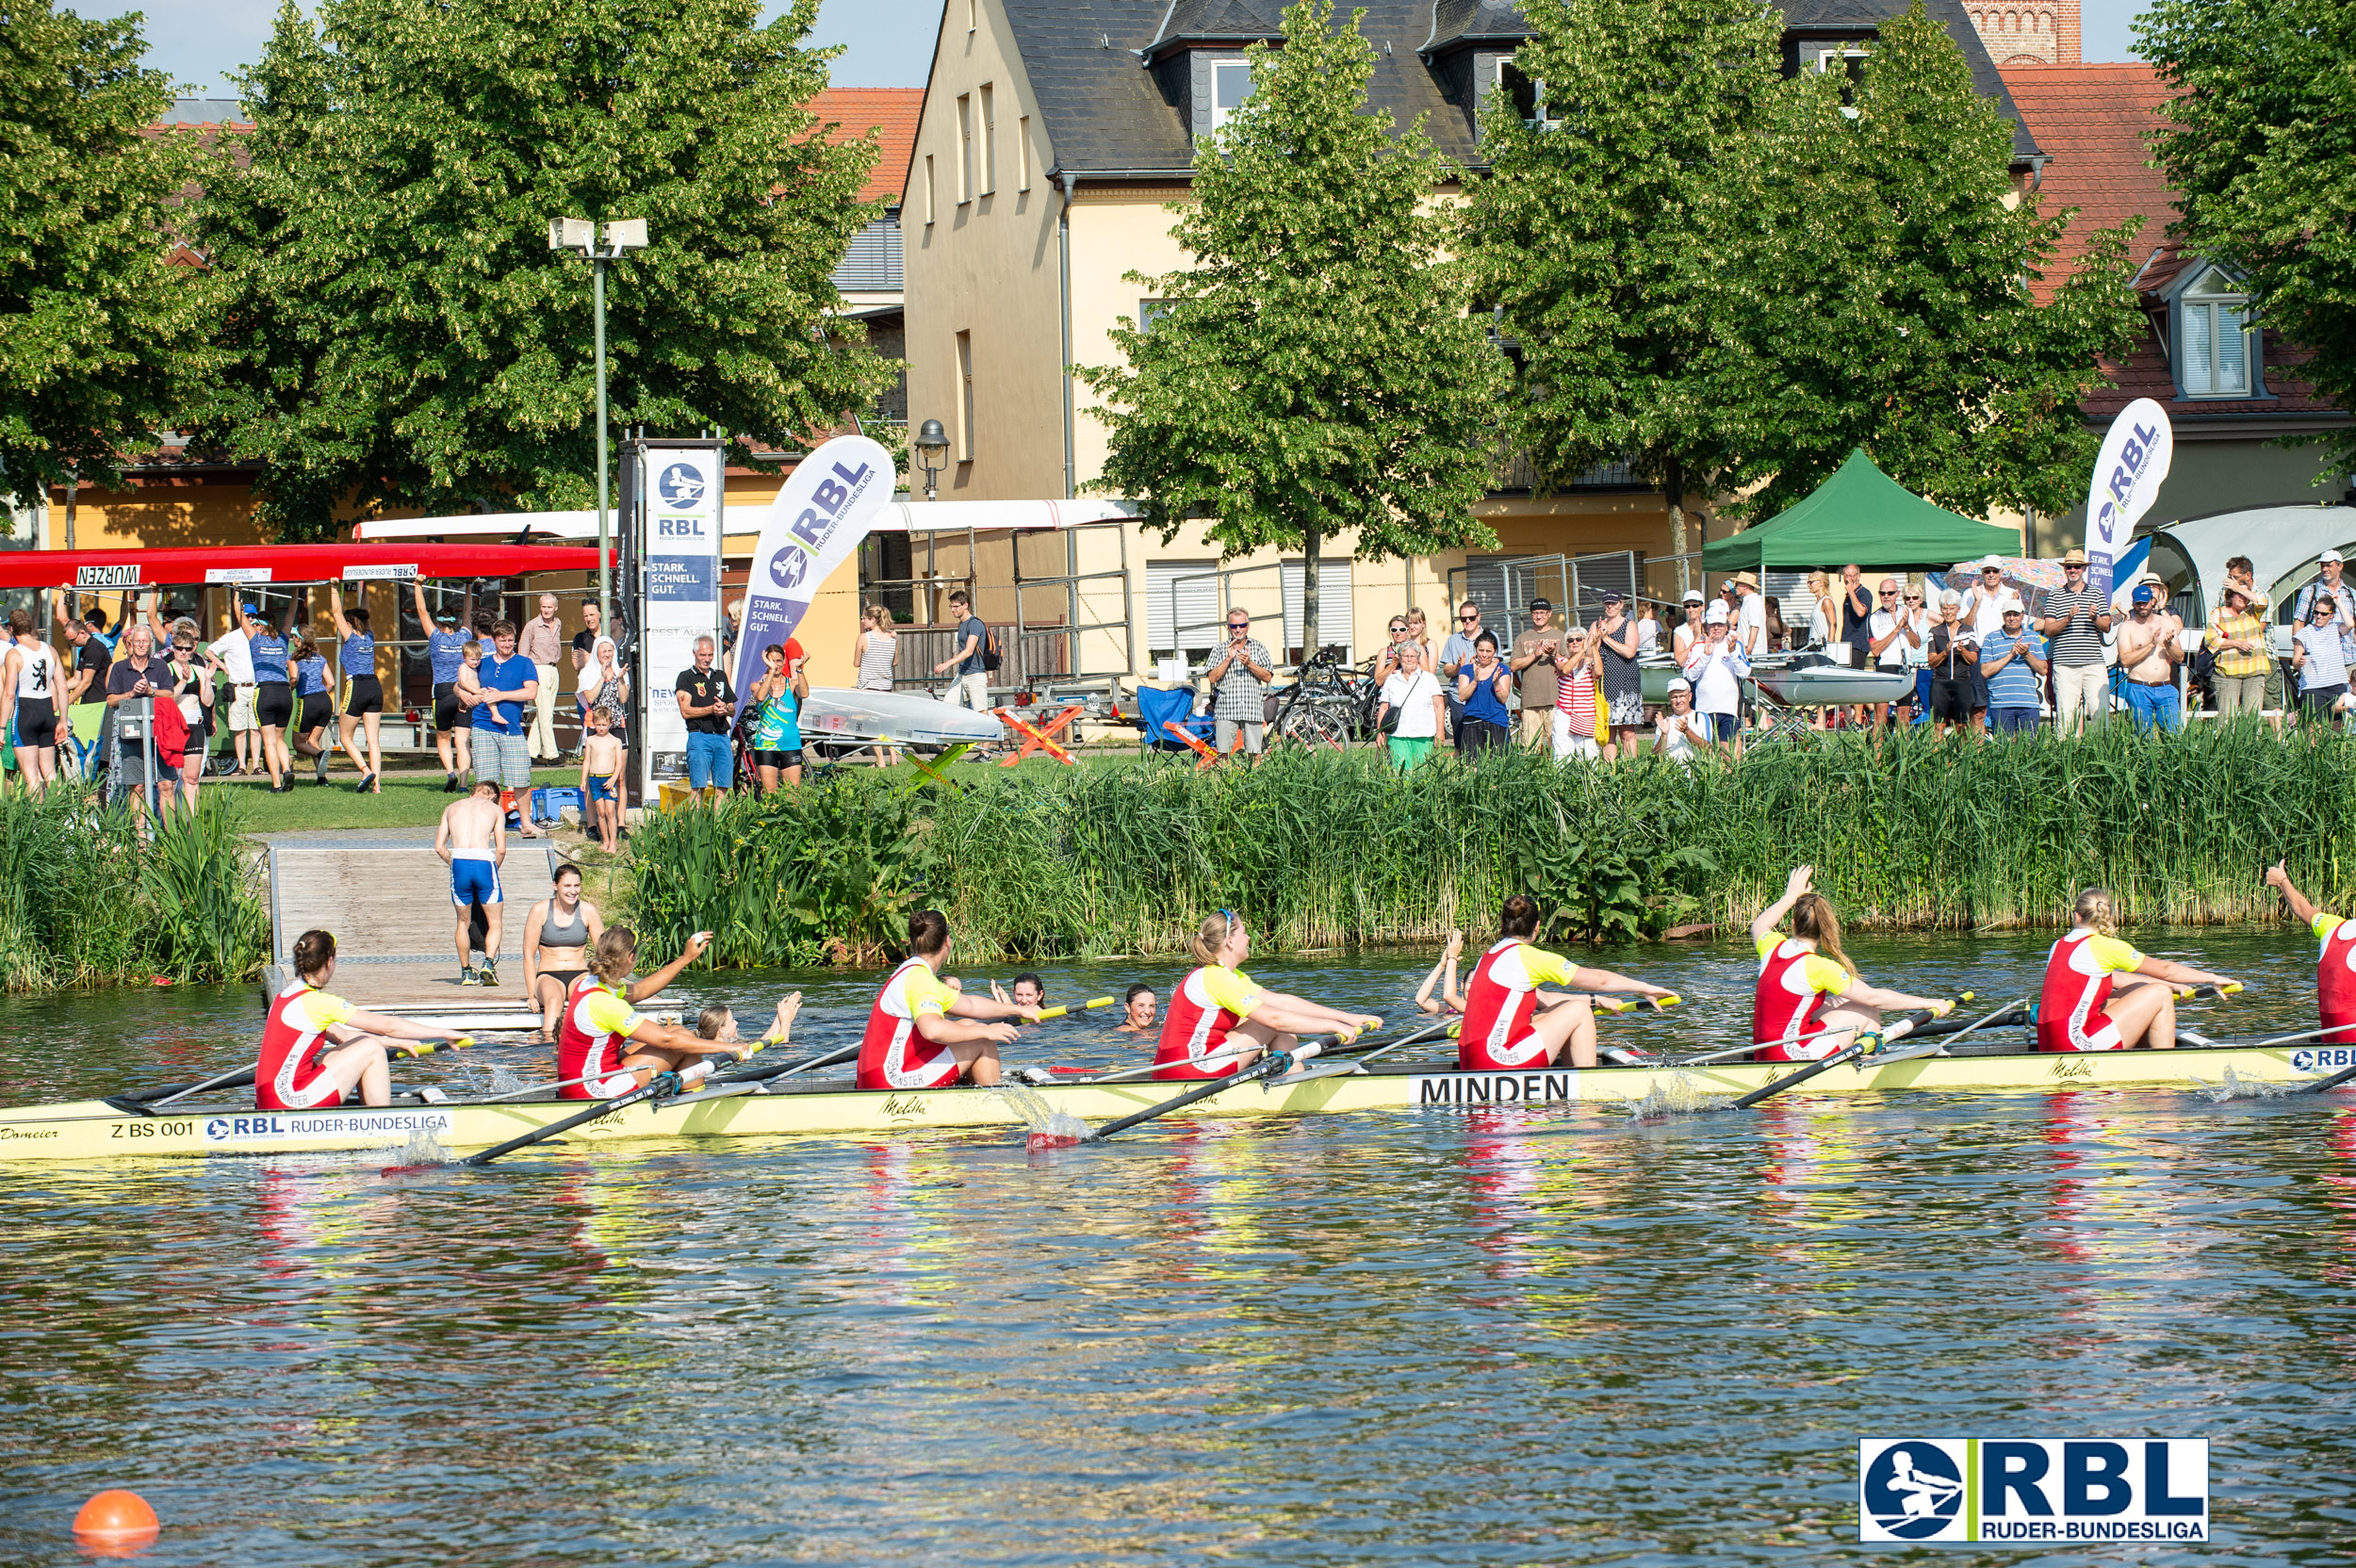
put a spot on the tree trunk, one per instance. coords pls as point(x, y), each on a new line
point(1672, 487)
point(1310, 546)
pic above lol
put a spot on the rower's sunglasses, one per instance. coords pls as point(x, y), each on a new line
point(1233, 920)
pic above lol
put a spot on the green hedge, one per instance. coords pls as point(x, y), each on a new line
point(87, 899)
point(1333, 848)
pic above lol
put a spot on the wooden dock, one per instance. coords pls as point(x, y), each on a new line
point(388, 902)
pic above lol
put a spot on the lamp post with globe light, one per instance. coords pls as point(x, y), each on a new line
point(621, 235)
point(931, 441)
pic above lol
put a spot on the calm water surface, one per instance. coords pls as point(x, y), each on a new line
point(1495, 1337)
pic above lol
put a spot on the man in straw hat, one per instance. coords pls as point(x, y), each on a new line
point(2073, 619)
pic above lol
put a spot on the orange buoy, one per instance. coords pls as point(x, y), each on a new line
point(116, 1518)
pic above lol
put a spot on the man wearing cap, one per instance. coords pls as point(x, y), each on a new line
point(2343, 610)
point(446, 652)
point(2012, 664)
point(2149, 652)
point(1716, 668)
point(2073, 619)
point(1984, 616)
point(1533, 667)
point(2237, 638)
point(235, 649)
point(1688, 633)
point(1678, 731)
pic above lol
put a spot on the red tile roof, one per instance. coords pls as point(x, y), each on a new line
point(2092, 122)
point(850, 112)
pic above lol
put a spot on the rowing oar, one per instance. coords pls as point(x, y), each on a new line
point(1358, 1063)
point(1087, 1007)
point(662, 1085)
point(2192, 993)
point(1865, 1044)
point(1940, 1026)
point(2332, 1083)
point(172, 1094)
point(1931, 1038)
point(1276, 1065)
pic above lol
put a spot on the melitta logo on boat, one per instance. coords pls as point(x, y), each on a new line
point(2034, 1489)
point(1497, 1089)
point(2323, 1058)
point(268, 1127)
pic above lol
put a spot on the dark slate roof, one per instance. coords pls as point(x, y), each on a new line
point(1217, 22)
point(1455, 23)
point(1105, 114)
point(1835, 18)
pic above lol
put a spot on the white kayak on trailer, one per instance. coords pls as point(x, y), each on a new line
point(854, 718)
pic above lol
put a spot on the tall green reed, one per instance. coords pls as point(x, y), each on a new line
point(87, 899)
point(1330, 849)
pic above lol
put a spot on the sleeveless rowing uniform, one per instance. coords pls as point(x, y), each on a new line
point(273, 698)
point(1499, 1001)
point(1788, 1007)
point(1204, 1011)
point(288, 1077)
point(892, 1054)
point(596, 1019)
point(2071, 1015)
point(357, 657)
point(2335, 978)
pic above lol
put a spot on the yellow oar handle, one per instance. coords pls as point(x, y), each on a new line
point(1613, 1004)
point(1046, 1013)
point(427, 1048)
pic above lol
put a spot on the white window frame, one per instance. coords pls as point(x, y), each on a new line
point(1220, 116)
point(931, 206)
point(2216, 299)
point(1544, 118)
point(989, 140)
point(965, 397)
point(1022, 153)
point(965, 148)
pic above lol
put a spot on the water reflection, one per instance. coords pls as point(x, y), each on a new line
point(1507, 1335)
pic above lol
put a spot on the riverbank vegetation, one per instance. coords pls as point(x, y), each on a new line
point(1333, 849)
point(86, 900)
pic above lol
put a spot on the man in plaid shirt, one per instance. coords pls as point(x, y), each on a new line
point(1239, 677)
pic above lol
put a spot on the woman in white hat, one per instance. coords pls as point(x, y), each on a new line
point(1689, 630)
point(1716, 667)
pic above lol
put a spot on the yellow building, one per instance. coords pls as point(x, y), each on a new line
point(1052, 140)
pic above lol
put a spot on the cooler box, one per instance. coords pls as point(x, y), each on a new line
point(548, 804)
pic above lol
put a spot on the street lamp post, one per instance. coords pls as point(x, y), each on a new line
point(931, 441)
point(580, 234)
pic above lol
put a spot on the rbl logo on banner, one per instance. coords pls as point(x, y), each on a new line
point(2036, 1490)
point(681, 487)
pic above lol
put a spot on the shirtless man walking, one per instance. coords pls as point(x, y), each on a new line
point(472, 842)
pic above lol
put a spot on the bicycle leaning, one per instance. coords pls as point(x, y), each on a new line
point(1333, 703)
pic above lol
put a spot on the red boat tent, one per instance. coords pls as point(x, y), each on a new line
point(109, 571)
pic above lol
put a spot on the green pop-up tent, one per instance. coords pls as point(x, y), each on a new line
point(1864, 515)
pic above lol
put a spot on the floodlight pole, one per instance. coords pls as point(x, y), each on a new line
point(605, 529)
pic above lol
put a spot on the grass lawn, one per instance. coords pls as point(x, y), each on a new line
point(408, 801)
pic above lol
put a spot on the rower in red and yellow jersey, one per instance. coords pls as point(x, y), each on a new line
point(1810, 1000)
point(2083, 1008)
point(599, 1016)
point(923, 1032)
point(1219, 1020)
point(2335, 963)
point(1510, 1023)
point(317, 1047)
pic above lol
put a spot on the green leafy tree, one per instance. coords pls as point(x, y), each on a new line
point(1888, 298)
point(2261, 147)
point(1316, 371)
point(1602, 234)
point(101, 336)
point(399, 331)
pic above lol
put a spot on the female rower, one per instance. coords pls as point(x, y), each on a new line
point(363, 704)
point(316, 1047)
point(1219, 1020)
point(2335, 965)
point(2082, 1010)
point(1505, 1029)
point(1794, 1014)
point(558, 933)
point(924, 1034)
point(315, 707)
point(593, 1063)
point(776, 698)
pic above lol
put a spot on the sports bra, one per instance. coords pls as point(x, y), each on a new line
point(574, 935)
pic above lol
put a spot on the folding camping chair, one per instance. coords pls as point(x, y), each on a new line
point(1166, 721)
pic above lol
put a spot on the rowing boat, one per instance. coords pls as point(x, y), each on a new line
point(93, 1130)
